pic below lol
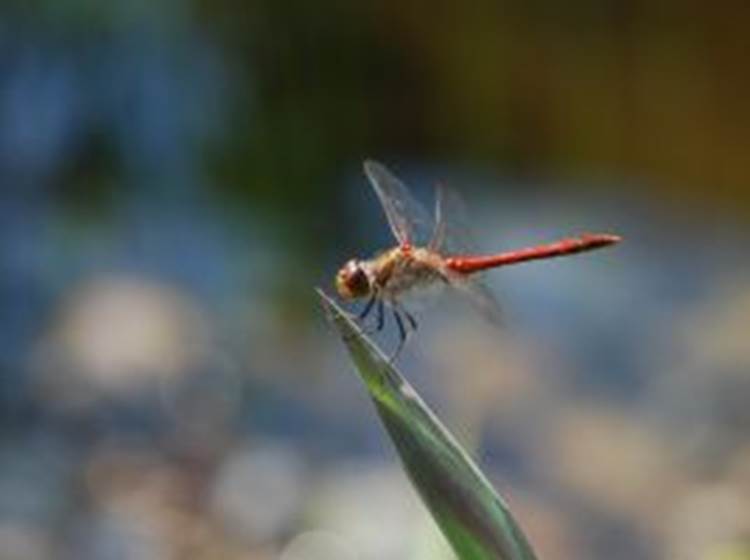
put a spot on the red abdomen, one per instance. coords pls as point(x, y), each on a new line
point(587, 242)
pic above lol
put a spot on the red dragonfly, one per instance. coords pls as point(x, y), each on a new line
point(428, 254)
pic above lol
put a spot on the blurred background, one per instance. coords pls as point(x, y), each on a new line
point(176, 177)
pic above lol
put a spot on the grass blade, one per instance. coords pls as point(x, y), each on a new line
point(472, 516)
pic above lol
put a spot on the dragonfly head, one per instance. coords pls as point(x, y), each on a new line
point(352, 281)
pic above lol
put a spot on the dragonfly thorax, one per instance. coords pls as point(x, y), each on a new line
point(353, 280)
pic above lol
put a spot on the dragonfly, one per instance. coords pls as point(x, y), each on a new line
point(432, 252)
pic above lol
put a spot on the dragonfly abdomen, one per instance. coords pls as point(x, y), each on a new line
point(570, 246)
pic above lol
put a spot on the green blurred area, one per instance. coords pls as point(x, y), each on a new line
point(576, 90)
point(618, 89)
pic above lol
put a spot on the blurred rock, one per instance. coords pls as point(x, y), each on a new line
point(258, 491)
point(710, 522)
point(319, 545)
point(116, 537)
point(701, 392)
point(24, 542)
point(485, 369)
point(610, 461)
point(117, 334)
point(551, 532)
point(35, 479)
point(373, 505)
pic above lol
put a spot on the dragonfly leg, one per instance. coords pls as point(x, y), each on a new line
point(366, 311)
point(404, 329)
point(409, 317)
point(402, 334)
point(374, 303)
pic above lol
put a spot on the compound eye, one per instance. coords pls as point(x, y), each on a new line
point(352, 281)
point(357, 280)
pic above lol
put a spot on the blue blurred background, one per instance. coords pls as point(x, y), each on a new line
point(176, 177)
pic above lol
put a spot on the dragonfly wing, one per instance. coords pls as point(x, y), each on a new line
point(409, 221)
point(482, 299)
point(452, 237)
point(438, 236)
point(451, 233)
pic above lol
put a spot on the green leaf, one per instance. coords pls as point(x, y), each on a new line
point(472, 516)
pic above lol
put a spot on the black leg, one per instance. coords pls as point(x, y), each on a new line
point(401, 327)
point(366, 311)
point(381, 316)
point(402, 334)
point(411, 319)
point(413, 325)
point(374, 303)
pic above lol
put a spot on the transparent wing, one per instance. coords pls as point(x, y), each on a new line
point(452, 236)
point(409, 221)
point(481, 298)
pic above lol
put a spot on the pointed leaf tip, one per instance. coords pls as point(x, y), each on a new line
point(473, 517)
